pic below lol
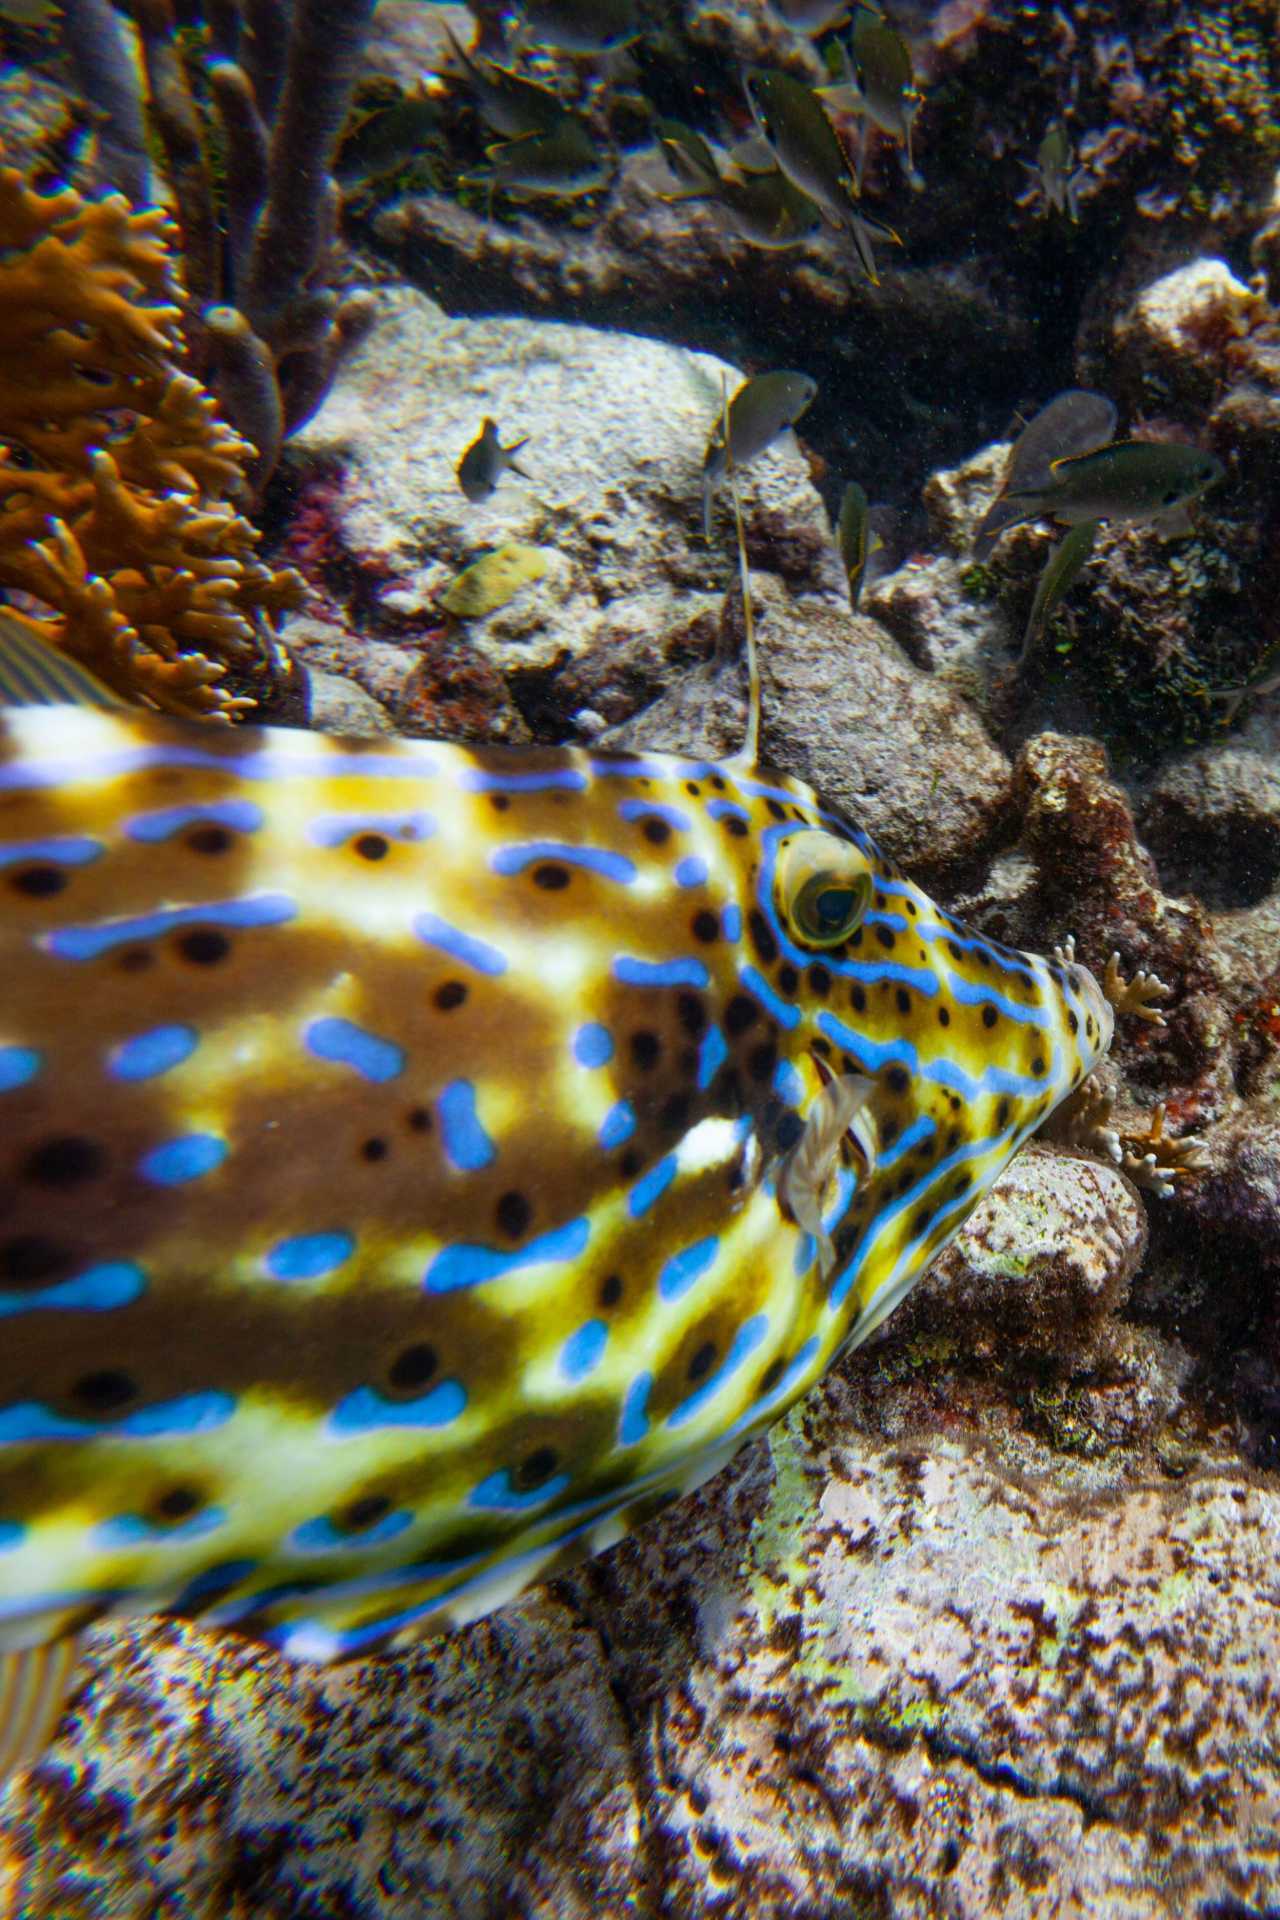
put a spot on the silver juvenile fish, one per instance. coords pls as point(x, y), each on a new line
point(485, 461)
point(794, 122)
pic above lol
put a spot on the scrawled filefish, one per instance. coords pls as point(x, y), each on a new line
point(419, 1163)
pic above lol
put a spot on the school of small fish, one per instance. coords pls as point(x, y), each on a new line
point(420, 1163)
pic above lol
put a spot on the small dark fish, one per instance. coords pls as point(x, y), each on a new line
point(1074, 422)
point(578, 26)
point(764, 207)
point(792, 118)
point(564, 162)
point(856, 539)
point(384, 139)
point(1132, 480)
point(485, 461)
point(1053, 173)
point(1058, 574)
point(509, 103)
point(760, 410)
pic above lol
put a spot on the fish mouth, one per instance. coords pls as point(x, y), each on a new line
point(1094, 1001)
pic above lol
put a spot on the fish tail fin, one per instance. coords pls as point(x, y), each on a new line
point(33, 1689)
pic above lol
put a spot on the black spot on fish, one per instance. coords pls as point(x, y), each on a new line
point(450, 994)
point(762, 1060)
point(921, 1222)
point(630, 1163)
point(1002, 1115)
point(776, 809)
point(706, 926)
point(372, 846)
point(179, 1503)
point(373, 1150)
point(888, 1132)
point(210, 839)
point(732, 824)
point(855, 938)
point(819, 980)
point(611, 1291)
point(364, 1512)
point(499, 802)
point(956, 951)
point(39, 883)
point(646, 1048)
point(717, 783)
point(134, 959)
point(692, 1013)
point(551, 875)
point(419, 1119)
point(989, 1016)
point(1073, 1021)
point(674, 1115)
point(790, 1129)
point(858, 997)
point(1038, 1065)
point(31, 1260)
point(903, 999)
point(944, 1016)
point(897, 1079)
point(656, 831)
point(741, 1013)
point(205, 947)
point(771, 1375)
point(788, 979)
point(912, 908)
point(536, 1468)
point(691, 786)
point(886, 937)
point(66, 1161)
point(762, 934)
point(701, 1361)
point(105, 1391)
point(513, 1214)
point(411, 1370)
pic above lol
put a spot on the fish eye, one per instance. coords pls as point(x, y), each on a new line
point(823, 888)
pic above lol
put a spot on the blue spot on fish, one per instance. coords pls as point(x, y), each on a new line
point(189, 1158)
point(97, 1290)
point(682, 1269)
point(649, 1189)
point(148, 1054)
point(782, 1010)
point(565, 779)
point(498, 1492)
point(727, 810)
point(634, 1423)
point(87, 943)
point(660, 973)
point(132, 1529)
point(787, 1083)
point(18, 1065)
point(713, 1051)
point(28, 1420)
point(617, 1126)
point(352, 1046)
point(321, 1536)
point(466, 1143)
point(610, 866)
point(335, 829)
point(435, 932)
point(593, 1045)
point(653, 809)
point(309, 1256)
point(71, 850)
point(692, 871)
point(583, 1351)
point(731, 920)
point(745, 1341)
point(469, 1264)
point(629, 769)
point(242, 816)
point(366, 1410)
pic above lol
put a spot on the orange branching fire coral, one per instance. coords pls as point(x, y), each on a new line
point(117, 477)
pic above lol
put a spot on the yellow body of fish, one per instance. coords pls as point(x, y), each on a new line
point(405, 1159)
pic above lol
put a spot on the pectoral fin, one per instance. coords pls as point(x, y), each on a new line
point(33, 1689)
point(841, 1110)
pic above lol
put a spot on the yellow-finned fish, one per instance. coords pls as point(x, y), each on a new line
point(420, 1163)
